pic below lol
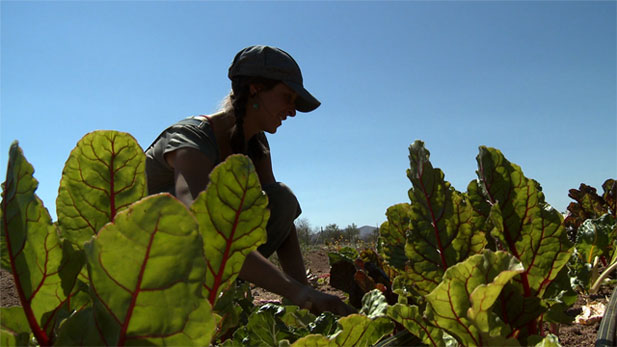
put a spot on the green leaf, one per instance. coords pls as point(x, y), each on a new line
point(392, 235)
point(549, 340)
point(519, 312)
point(265, 329)
point(324, 324)
point(359, 330)
point(103, 174)
point(314, 340)
point(411, 318)
point(232, 215)
point(526, 226)
point(30, 248)
point(14, 328)
point(80, 329)
point(558, 298)
point(274, 325)
point(374, 304)
point(441, 222)
point(353, 330)
point(343, 254)
point(404, 287)
point(297, 319)
point(592, 238)
point(234, 306)
point(462, 302)
point(146, 271)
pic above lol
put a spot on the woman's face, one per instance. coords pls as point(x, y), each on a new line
point(274, 106)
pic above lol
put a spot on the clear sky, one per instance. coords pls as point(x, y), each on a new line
point(536, 80)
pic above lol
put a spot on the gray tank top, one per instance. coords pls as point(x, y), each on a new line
point(193, 132)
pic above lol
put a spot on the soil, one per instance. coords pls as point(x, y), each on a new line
point(316, 262)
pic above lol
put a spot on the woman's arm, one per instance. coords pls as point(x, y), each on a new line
point(191, 170)
point(259, 271)
point(264, 165)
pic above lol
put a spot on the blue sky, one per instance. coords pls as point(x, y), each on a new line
point(536, 80)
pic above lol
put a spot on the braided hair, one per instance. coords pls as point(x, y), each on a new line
point(240, 92)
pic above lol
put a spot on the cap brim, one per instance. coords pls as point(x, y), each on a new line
point(305, 102)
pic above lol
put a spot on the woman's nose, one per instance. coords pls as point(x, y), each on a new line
point(292, 112)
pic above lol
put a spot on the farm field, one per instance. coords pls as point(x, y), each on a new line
point(492, 266)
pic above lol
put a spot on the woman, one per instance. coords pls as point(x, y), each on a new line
point(267, 88)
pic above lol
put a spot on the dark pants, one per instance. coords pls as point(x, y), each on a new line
point(284, 209)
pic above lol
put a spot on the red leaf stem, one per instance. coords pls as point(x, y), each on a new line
point(218, 278)
point(39, 333)
point(142, 270)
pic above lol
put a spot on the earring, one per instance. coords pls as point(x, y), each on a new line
point(255, 106)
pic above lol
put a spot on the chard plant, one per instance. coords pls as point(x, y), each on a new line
point(592, 223)
point(480, 267)
point(120, 267)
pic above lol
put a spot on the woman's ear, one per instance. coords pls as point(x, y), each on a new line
point(253, 89)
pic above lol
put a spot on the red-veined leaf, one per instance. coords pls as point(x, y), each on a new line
point(393, 234)
point(232, 215)
point(353, 330)
point(103, 175)
point(441, 222)
point(462, 303)
point(146, 271)
point(31, 249)
point(526, 226)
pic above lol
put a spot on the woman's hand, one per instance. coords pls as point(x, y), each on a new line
point(318, 302)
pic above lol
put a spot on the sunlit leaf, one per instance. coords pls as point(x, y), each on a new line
point(103, 175)
point(353, 330)
point(462, 303)
point(592, 238)
point(146, 271)
point(525, 224)
point(392, 235)
point(374, 304)
point(411, 318)
point(232, 215)
point(31, 249)
point(441, 223)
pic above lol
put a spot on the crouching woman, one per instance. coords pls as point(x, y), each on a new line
point(267, 87)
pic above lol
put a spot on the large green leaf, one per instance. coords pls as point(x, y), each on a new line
point(146, 271)
point(272, 325)
point(442, 223)
point(393, 234)
point(524, 224)
point(103, 175)
point(462, 303)
point(411, 318)
point(31, 249)
point(232, 215)
point(353, 330)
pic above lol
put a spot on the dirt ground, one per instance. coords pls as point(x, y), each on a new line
point(316, 262)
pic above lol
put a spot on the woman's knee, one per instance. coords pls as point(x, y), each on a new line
point(284, 209)
point(282, 201)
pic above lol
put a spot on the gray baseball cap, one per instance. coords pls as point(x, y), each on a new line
point(273, 63)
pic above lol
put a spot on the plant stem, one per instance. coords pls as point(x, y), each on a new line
point(604, 275)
